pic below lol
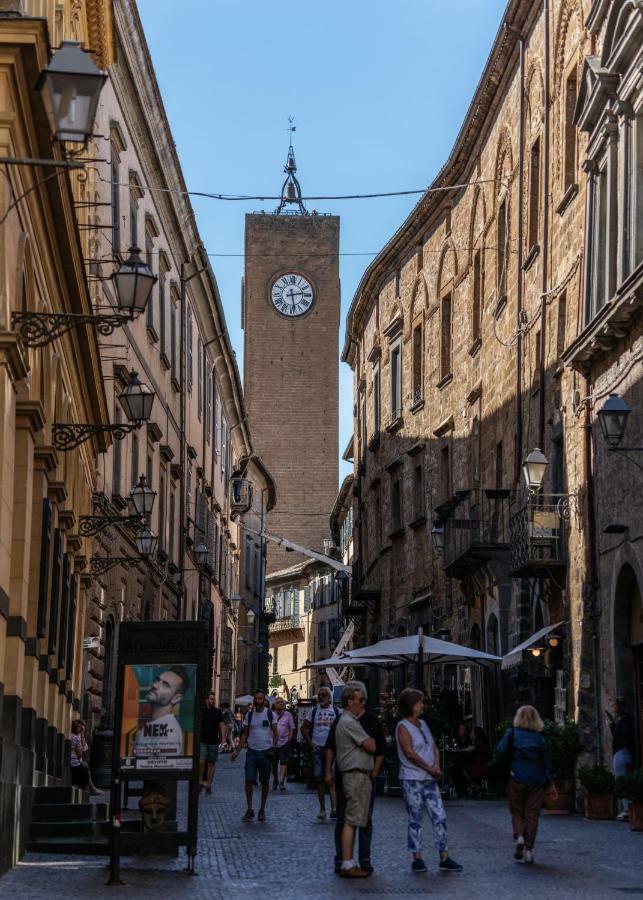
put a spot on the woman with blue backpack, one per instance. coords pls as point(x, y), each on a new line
point(527, 757)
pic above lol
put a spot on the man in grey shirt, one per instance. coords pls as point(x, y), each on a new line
point(354, 757)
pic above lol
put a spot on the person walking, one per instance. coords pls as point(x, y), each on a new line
point(228, 721)
point(315, 730)
point(373, 728)
point(355, 752)
point(622, 747)
point(260, 736)
point(419, 771)
point(281, 754)
point(213, 733)
point(529, 761)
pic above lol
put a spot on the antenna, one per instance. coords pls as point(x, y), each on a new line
point(291, 189)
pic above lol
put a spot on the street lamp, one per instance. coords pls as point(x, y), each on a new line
point(141, 498)
point(251, 615)
point(70, 87)
point(612, 417)
point(136, 400)
point(533, 469)
point(437, 535)
point(133, 283)
point(146, 542)
point(200, 554)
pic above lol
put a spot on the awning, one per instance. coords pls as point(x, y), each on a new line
point(340, 662)
point(244, 700)
point(514, 657)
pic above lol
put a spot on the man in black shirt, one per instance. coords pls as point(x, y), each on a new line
point(213, 733)
point(373, 728)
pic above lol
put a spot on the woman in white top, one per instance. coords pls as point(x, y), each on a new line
point(419, 769)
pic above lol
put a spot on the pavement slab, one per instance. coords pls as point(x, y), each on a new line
point(290, 856)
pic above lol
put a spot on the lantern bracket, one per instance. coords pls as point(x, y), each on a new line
point(69, 435)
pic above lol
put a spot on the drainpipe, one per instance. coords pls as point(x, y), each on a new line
point(592, 593)
point(521, 201)
point(545, 232)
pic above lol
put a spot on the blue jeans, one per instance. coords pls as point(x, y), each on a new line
point(364, 835)
point(622, 762)
point(418, 796)
point(258, 762)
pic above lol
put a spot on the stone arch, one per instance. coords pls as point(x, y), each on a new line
point(475, 638)
point(618, 21)
point(447, 266)
point(504, 166)
point(493, 635)
point(568, 28)
point(534, 99)
point(478, 216)
point(419, 296)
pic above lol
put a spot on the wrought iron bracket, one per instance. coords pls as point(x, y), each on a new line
point(68, 435)
point(37, 329)
point(91, 525)
point(98, 565)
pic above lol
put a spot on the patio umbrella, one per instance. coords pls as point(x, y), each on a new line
point(244, 700)
point(420, 648)
point(338, 662)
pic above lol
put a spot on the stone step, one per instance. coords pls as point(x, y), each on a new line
point(67, 812)
point(96, 846)
point(71, 829)
point(59, 794)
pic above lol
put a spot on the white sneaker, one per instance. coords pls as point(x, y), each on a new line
point(529, 856)
point(623, 817)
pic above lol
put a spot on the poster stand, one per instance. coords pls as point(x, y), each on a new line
point(160, 691)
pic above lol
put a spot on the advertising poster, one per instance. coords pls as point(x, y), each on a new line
point(158, 713)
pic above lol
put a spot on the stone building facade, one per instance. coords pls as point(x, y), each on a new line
point(457, 337)
point(180, 347)
point(44, 583)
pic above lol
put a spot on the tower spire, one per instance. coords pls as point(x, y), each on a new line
point(291, 189)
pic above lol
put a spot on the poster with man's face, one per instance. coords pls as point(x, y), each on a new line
point(157, 729)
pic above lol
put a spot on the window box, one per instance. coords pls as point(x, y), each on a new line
point(176, 387)
point(395, 422)
point(374, 442)
point(473, 349)
point(568, 196)
point(418, 522)
point(165, 362)
point(152, 334)
point(500, 306)
point(442, 383)
point(418, 400)
point(397, 533)
point(532, 256)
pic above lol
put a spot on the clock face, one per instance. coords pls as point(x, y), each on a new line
point(292, 295)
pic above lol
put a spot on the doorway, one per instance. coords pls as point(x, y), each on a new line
point(628, 648)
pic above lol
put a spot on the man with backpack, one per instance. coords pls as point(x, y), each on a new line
point(315, 730)
point(259, 735)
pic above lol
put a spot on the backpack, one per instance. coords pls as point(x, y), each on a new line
point(250, 714)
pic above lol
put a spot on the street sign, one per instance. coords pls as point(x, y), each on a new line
point(91, 643)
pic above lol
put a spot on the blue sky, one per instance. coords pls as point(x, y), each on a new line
point(378, 89)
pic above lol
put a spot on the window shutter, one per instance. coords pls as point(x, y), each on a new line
point(306, 599)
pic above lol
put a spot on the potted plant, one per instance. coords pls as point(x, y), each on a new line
point(599, 785)
point(630, 787)
point(565, 746)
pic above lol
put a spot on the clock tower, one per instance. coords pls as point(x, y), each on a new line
point(291, 362)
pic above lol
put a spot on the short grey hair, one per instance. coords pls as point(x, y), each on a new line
point(357, 686)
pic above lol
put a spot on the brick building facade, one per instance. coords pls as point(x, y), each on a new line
point(459, 338)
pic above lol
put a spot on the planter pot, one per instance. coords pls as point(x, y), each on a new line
point(599, 806)
point(560, 805)
point(636, 816)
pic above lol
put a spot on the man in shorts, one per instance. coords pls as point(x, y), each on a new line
point(259, 735)
point(315, 730)
point(355, 752)
point(213, 733)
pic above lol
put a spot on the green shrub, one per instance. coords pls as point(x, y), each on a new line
point(565, 746)
point(596, 779)
point(630, 786)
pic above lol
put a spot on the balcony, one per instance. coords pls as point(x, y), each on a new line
point(538, 536)
point(286, 623)
point(240, 495)
point(476, 527)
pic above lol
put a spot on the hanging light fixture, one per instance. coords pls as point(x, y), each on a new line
point(437, 535)
point(70, 87)
point(142, 498)
point(136, 400)
point(533, 469)
point(200, 554)
point(133, 283)
point(146, 542)
point(613, 416)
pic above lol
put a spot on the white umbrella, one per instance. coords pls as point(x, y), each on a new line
point(420, 648)
point(338, 662)
point(244, 700)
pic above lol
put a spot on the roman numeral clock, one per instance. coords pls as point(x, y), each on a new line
point(292, 294)
point(291, 362)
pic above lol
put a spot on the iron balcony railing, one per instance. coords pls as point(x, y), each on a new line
point(476, 526)
point(537, 534)
point(286, 623)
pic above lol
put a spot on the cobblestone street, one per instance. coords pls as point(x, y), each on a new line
point(291, 855)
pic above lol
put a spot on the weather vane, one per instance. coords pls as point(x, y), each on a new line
point(291, 189)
